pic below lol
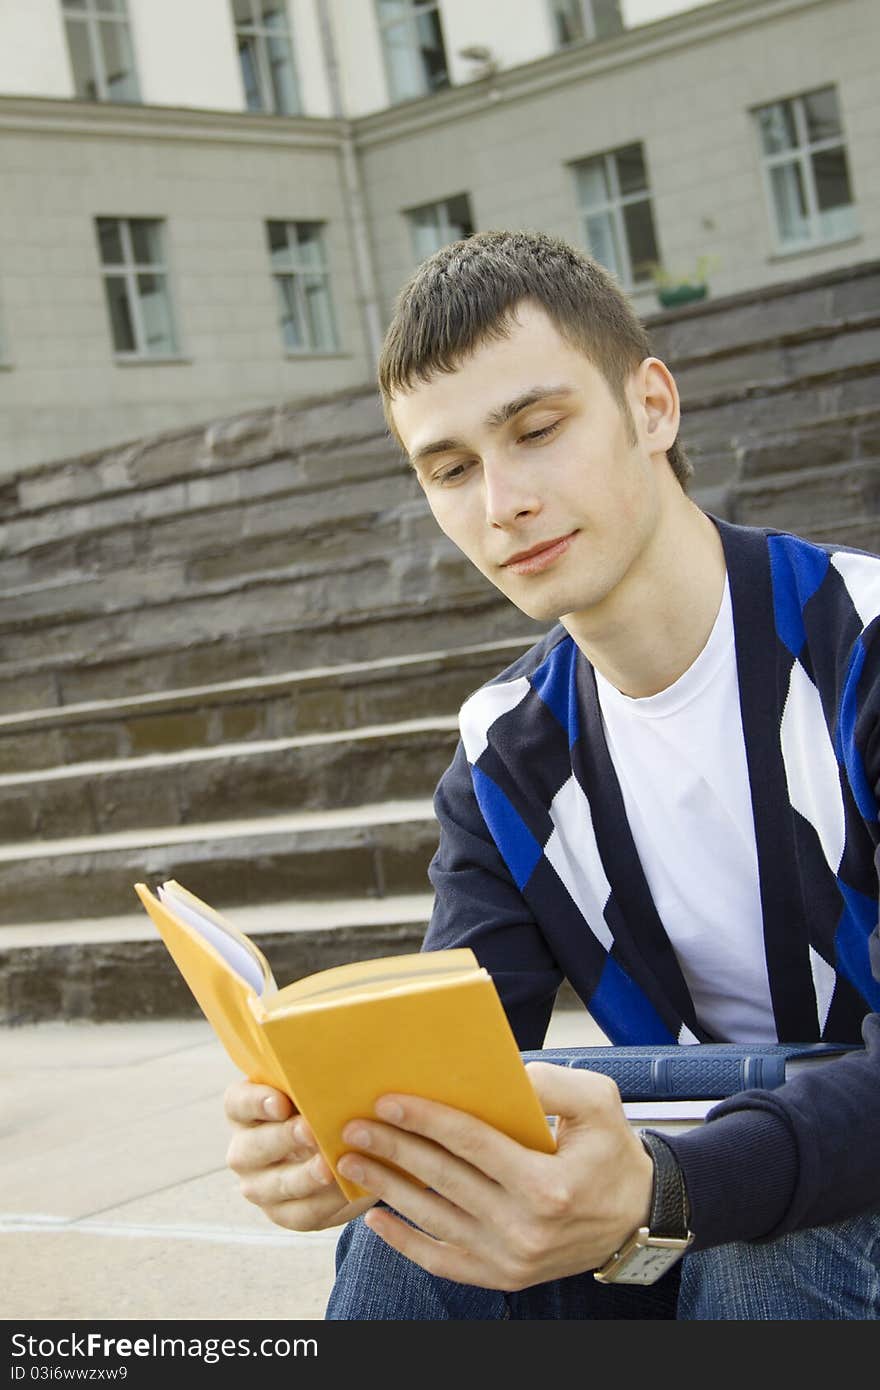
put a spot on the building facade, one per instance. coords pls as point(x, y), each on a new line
point(207, 208)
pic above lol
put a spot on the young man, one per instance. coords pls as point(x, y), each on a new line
point(671, 800)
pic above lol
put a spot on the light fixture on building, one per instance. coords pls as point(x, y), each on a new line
point(478, 53)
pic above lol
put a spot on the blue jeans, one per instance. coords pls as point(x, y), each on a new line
point(829, 1272)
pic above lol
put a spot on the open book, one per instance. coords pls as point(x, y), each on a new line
point(428, 1024)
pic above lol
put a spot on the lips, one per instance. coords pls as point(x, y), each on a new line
point(539, 557)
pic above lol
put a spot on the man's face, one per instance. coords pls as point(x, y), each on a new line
point(528, 466)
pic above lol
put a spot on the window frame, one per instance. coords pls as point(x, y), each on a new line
point(445, 226)
point(801, 155)
point(614, 206)
point(261, 34)
point(414, 9)
point(296, 273)
point(588, 24)
point(90, 18)
point(129, 269)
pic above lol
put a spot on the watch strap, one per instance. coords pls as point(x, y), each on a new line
point(669, 1203)
point(651, 1250)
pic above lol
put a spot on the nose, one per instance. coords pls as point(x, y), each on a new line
point(510, 493)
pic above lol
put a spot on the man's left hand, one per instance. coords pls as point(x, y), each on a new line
point(494, 1213)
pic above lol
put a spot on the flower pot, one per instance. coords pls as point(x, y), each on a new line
point(672, 295)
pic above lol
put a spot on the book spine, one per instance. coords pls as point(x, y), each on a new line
point(765, 1072)
point(687, 1076)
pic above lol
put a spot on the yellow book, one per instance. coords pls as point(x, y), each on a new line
point(428, 1024)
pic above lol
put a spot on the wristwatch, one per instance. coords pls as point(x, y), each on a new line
point(653, 1249)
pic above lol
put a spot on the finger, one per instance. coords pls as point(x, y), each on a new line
point(477, 1144)
point(437, 1257)
point(319, 1213)
point(586, 1096)
point(290, 1182)
point(247, 1103)
point(433, 1213)
point(265, 1145)
point(458, 1181)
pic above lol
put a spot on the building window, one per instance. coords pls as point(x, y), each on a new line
point(101, 52)
point(302, 281)
point(806, 170)
point(577, 20)
point(436, 224)
point(136, 286)
point(615, 209)
point(265, 51)
point(412, 39)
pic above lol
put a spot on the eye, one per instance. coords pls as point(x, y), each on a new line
point(453, 474)
point(543, 433)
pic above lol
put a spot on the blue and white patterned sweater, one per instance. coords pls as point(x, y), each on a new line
point(537, 872)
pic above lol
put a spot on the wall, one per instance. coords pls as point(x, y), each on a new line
point(216, 184)
point(686, 97)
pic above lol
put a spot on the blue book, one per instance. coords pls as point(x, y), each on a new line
point(700, 1071)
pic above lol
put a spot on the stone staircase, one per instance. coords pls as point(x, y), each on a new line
point(233, 655)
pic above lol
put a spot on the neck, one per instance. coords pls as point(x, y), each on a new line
point(658, 619)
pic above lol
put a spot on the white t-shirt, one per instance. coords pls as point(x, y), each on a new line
point(681, 762)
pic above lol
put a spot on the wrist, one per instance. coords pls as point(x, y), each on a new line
point(641, 1212)
point(663, 1237)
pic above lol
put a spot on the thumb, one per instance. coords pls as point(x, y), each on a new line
point(584, 1097)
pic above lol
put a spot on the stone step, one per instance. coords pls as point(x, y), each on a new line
point(372, 851)
point(737, 422)
point(96, 615)
point(118, 968)
point(57, 571)
point(72, 654)
point(260, 707)
point(308, 432)
point(344, 426)
point(428, 598)
point(813, 499)
point(354, 571)
point(72, 668)
point(367, 607)
point(177, 524)
point(201, 526)
point(804, 353)
point(377, 545)
point(770, 312)
point(52, 532)
point(847, 439)
point(265, 777)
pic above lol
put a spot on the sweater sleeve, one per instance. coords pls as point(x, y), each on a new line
point(478, 904)
point(769, 1162)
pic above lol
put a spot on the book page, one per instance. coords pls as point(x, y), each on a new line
point(667, 1116)
point(233, 951)
point(379, 975)
point(672, 1115)
point(645, 1112)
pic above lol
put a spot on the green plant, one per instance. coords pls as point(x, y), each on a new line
point(670, 279)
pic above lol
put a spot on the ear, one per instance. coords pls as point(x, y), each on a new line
point(658, 410)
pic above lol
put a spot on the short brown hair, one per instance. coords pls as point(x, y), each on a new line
point(467, 292)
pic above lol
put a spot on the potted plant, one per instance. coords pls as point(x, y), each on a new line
point(676, 287)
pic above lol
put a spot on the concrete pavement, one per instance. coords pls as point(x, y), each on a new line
point(115, 1202)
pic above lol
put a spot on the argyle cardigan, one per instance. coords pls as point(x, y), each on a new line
point(538, 873)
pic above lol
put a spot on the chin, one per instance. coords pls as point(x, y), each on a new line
point(545, 611)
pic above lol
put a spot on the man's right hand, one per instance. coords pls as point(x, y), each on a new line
point(275, 1157)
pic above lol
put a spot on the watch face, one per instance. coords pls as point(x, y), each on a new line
point(647, 1264)
point(643, 1260)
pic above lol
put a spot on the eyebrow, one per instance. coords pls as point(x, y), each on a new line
point(494, 420)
